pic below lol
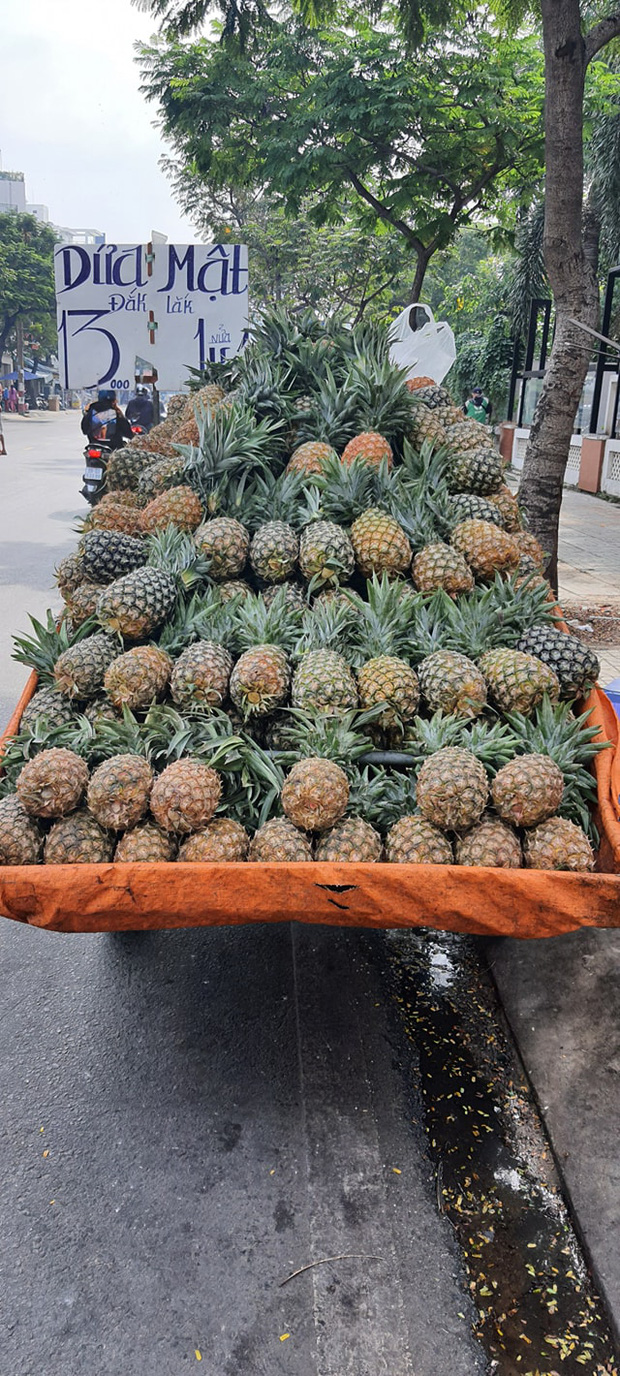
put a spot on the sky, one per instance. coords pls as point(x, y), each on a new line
point(72, 118)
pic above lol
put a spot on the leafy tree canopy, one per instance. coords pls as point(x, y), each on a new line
point(26, 272)
point(421, 145)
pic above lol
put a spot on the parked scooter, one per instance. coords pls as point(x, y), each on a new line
point(96, 455)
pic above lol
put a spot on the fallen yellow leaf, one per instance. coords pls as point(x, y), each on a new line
point(284, 1336)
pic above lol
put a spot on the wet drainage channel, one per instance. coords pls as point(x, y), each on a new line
point(538, 1313)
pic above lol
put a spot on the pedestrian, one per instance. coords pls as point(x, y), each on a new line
point(13, 397)
point(477, 406)
point(140, 409)
point(104, 420)
point(5, 398)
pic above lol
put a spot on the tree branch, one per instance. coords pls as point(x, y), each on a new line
point(384, 214)
point(600, 34)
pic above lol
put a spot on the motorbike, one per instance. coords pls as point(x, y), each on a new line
point(96, 455)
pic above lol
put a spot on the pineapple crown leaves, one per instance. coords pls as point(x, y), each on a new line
point(209, 737)
point(174, 551)
point(492, 742)
point(327, 626)
point(568, 740)
point(41, 650)
point(346, 490)
point(381, 625)
point(341, 739)
point(78, 735)
point(433, 622)
point(381, 796)
point(383, 402)
point(333, 415)
point(273, 498)
point(257, 624)
point(232, 444)
point(203, 617)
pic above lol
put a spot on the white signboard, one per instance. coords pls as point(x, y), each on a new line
point(175, 305)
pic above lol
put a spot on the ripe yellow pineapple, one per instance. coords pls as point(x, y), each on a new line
point(178, 506)
point(508, 507)
point(224, 840)
point(315, 794)
point(260, 680)
point(487, 549)
point(380, 544)
point(201, 675)
point(370, 447)
point(116, 516)
point(185, 795)
point(386, 678)
point(414, 841)
point(53, 783)
point(119, 790)
point(309, 458)
point(517, 681)
point(451, 682)
point(441, 566)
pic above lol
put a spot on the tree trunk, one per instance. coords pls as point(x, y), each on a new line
point(571, 271)
point(6, 330)
point(423, 260)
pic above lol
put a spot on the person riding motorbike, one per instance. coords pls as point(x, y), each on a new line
point(103, 421)
point(140, 409)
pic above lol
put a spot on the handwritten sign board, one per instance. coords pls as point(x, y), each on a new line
point(175, 305)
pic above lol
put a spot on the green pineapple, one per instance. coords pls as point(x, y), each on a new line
point(108, 554)
point(480, 471)
point(260, 680)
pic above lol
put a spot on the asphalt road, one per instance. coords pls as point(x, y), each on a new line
point(189, 1117)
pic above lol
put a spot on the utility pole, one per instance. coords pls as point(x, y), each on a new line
point(21, 391)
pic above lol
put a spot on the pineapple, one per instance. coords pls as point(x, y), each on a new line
point(452, 789)
point(431, 395)
point(380, 544)
point(135, 678)
point(53, 783)
point(490, 843)
point(452, 683)
point(225, 544)
point(159, 476)
point(508, 507)
point(98, 710)
point(575, 666)
point(517, 682)
point(414, 841)
point(70, 573)
point(315, 794)
point(326, 554)
point(389, 679)
point(487, 549)
point(115, 516)
point(122, 496)
point(260, 680)
point(79, 671)
point(185, 795)
point(201, 675)
point(124, 469)
point(467, 506)
point(467, 434)
point(138, 603)
point(177, 506)
point(323, 682)
point(81, 604)
point(558, 844)
point(108, 554)
point(476, 470)
point(20, 838)
point(277, 841)
point(49, 706)
point(274, 552)
point(145, 843)
point(413, 384)
point(223, 840)
point(528, 790)
point(426, 428)
point(531, 549)
point(294, 597)
point(351, 840)
point(236, 587)
point(78, 840)
point(441, 566)
point(310, 457)
point(370, 448)
point(119, 790)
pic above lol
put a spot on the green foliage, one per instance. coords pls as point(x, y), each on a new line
point(331, 120)
point(26, 273)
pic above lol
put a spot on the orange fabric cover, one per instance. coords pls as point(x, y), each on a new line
point(523, 903)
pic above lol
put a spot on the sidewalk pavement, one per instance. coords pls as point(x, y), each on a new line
point(562, 996)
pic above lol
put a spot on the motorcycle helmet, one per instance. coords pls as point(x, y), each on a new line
point(106, 394)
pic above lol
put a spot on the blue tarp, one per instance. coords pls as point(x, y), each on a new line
point(28, 377)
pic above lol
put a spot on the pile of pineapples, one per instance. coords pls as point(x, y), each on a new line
point(305, 622)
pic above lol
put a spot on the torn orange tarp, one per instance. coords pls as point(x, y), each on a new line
point(523, 903)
